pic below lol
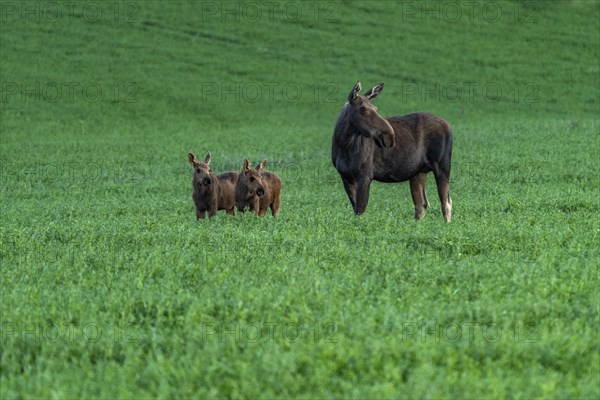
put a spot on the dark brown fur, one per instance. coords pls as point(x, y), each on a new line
point(258, 190)
point(212, 192)
point(367, 147)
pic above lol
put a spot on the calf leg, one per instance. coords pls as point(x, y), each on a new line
point(417, 191)
point(275, 205)
point(241, 206)
point(229, 211)
point(254, 204)
point(199, 214)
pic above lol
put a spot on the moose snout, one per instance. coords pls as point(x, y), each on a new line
point(206, 181)
point(260, 192)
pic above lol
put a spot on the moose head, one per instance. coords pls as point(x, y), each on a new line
point(203, 175)
point(251, 178)
point(363, 116)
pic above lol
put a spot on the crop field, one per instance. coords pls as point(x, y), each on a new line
point(110, 287)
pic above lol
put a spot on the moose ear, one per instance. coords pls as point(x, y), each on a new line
point(261, 166)
point(192, 159)
point(246, 165)
point(207, 158)
point(374, 91)
point(354, 92)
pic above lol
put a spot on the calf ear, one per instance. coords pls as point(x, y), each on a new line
point(207, 158)
point(354, 92)
point(246, 165)
point(374, 91)
point(261, 166)
point(192, 159)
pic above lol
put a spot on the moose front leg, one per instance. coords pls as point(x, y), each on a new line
point(254, 204)
point(362, 195)
point(350, 187)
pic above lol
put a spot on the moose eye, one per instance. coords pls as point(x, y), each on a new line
point(252, 179)
point(362, 109)
point(198, 170)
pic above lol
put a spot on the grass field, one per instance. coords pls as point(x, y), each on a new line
point(111, 288)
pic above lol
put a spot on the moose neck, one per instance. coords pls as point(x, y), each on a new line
point(345, 134)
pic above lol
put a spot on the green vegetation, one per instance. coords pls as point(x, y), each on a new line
point(110, 287)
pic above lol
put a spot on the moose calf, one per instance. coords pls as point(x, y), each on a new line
point(212, 192)
point(258, 190)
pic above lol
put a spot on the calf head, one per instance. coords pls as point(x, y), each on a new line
point(252, 180)
point(204, 178)
point(363, 116)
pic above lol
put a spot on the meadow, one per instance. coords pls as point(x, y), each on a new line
point(110, 287)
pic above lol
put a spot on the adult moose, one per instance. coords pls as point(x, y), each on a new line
point(367, 147)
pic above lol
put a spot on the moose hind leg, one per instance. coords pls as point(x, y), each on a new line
point(417, 191)
point(443, 185)
point(423, 178)
point(275, 205)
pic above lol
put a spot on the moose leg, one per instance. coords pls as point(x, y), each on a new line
point(212, 212)
point(199, 214)
point(240, 205)
point(417, 191)
point(442, 179)
point(350, 187)
point(255, 205)
point(423, 176)
point(229, 211)
point(362, 195)
point(275, 205)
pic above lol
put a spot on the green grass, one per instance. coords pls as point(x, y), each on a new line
point(110, 287)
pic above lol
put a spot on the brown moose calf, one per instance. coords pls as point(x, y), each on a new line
point(258, 190)
point(212, 192)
